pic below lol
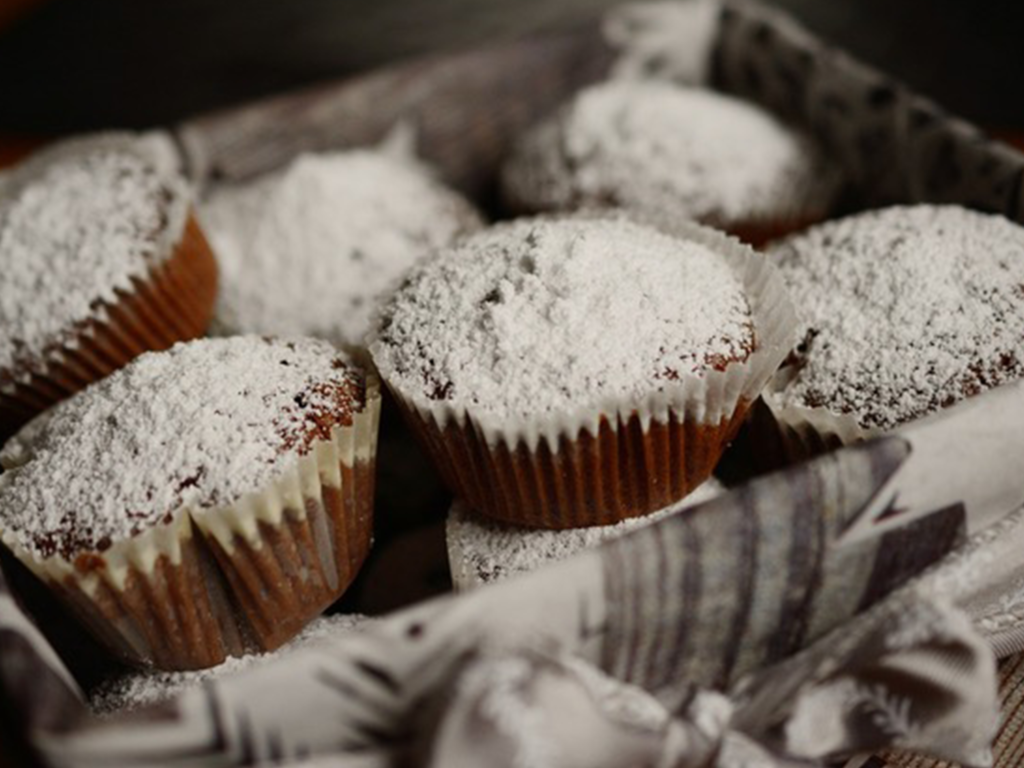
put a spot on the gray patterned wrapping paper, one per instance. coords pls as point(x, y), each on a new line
point(805, 616)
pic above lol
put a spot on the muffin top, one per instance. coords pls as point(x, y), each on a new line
point(481, 551)
point(540, 316)
point(78, 223)
point(200, 425)
point(306, 251)
point(667, 149)
point(905, 310)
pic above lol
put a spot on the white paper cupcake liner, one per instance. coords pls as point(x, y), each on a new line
point(777, 434)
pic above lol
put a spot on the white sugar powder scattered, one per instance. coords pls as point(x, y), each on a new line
point(139, 689)
point(481, 551)
point(202, 424)
point(669, 150)
point(308, 250)
point(909, 309)
point(72, 232)
point(542, 315)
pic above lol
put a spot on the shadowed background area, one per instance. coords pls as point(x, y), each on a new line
point(68, 66)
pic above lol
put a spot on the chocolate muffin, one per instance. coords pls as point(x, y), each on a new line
point(482, 551)
point(101, 261)
point(308, 250)
point(578, 371)
point(201, 501)
point(673, 152)
point(903, 311)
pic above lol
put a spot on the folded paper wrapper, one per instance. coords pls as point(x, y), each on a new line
point(808, 615)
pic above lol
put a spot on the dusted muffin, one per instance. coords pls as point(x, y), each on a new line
point(672, 152)
point(578, 371)
point(307, 250)
point(903, 311)
point(481, 551)
point(101, 261)
point(200, 501)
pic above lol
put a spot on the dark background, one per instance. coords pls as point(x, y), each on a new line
point(72, 65)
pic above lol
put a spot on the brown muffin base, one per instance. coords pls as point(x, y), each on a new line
point(175, 303)
point(621, 473)
point(176, 616)
point(305, 562)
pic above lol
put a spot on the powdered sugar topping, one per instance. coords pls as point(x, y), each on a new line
point(543, 315)
point(308, 250)
point(75, 228)
point(481, 551)
point(200, 425)
point(669, 150)
point(905, 310)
